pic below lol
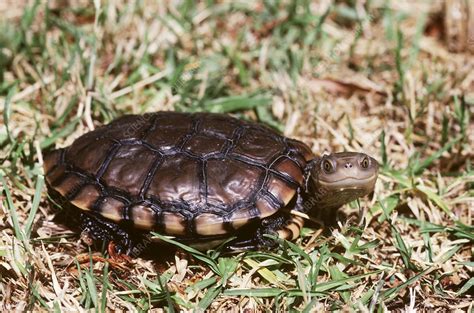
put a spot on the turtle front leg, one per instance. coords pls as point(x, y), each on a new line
point(100, 229)
point(284, 225)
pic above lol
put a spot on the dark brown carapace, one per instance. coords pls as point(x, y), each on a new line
point(192, 176)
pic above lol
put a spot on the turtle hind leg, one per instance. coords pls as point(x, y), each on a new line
point(101, 230)
point(283, 225)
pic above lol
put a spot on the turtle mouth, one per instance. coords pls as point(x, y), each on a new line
point(350, 183)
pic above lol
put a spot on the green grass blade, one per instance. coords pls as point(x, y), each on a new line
point(34, 205)
point(7, 112)
point(211, 294)
point(236, 103)
point(19, 234)
point(61, 133)
point(105, 288)
point(466, 287)
point(420, 167)
point(392, 292)
point(197, 254)
point(256, 292)
point(341, 282)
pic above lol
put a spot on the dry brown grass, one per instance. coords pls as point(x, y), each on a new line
point(378, 85)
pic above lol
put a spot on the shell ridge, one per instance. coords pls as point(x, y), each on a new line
point(151, 147)
point(110, 155)
point(273, 200)
point(74, 190)
point(255, 213)
point(232, 142)
point(60, 158)
point(203, 186)
point(301, 149)
point(129, 141)
point(192, 131)
point(152, 125)
point(96, 204)
point(290, 180)
point(249, 161)
point(246, 160)
point(262, 181)
point(117, 193)
point(151, 175)
point(70, 194)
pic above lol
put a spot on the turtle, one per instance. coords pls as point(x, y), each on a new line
point(200, 178)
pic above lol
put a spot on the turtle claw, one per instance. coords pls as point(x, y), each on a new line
point(116, 255)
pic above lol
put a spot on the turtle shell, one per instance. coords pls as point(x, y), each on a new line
point(186, 175)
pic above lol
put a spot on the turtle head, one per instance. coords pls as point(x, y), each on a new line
point(342, 177)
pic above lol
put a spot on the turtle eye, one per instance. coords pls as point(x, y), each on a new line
point(365, 162)
point(327, 166)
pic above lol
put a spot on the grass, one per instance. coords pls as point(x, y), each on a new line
point(338, 77)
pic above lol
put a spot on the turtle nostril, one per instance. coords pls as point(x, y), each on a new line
point(348, 165)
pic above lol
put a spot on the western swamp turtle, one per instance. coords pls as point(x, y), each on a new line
point(200, 178)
